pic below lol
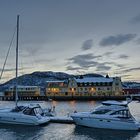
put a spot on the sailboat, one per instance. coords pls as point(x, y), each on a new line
point(31, 114)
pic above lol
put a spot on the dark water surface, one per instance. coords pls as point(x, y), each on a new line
point(55, 131)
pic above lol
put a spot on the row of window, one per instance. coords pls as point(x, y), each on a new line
point(11, 89)
point(122, 113)
point(90, 89)
point(81, 89)
point(57, 84)
point(95, 84)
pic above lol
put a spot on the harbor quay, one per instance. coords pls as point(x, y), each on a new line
point(68, 98)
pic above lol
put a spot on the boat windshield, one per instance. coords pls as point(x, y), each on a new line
point(18, 109)
point(122, 113)
point(29, 111)
point(38, 110)
point(103, 111)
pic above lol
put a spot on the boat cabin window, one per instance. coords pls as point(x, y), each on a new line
point(18, 108)
point(123, 113)
point(104, 111)
point(38, 110)
point(29, 111)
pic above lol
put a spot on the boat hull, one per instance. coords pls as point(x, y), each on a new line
point(14, 118)
point(105, 123)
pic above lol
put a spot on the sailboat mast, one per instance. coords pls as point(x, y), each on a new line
point(16, 96)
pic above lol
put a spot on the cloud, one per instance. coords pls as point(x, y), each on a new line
point(123, 56)
point(44, 60)
point(108, 54)
point(87, 44)
point(14, 69)
point(102, 67)
point(7, 70)
point(136, 19)
point(117, 40)
point(31, 49)
point(85, 60)
point(125, 76)
point(119, 65)
point(72, 68)
point(131, 69)
point(138, 41)
point(113, 63)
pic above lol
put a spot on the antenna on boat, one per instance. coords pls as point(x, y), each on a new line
point(16, 93)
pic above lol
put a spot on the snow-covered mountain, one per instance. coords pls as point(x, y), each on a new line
point(40, 78)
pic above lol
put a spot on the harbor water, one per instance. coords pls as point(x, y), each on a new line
point(57, 131)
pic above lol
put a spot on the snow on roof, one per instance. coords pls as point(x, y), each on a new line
point(20, 86)
point(57, 81)
point(93, 79)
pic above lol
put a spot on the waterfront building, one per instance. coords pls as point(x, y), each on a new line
point(23, 91)
point(85, 86)
point(57, 88)
point(1, 93)
point(131, 88)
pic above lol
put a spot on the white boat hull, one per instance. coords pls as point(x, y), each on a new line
point(105, 123)
point(8, 117)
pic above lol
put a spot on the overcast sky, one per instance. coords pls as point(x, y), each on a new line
point(73, 36)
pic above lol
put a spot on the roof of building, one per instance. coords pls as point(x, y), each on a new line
point(93, 79)
point(56, 81)
point(20, 86)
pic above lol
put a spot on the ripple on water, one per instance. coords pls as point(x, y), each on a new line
point(55, 131)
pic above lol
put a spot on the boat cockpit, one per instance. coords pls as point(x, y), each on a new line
point(115, 111)
point(18, 109)
point(32, 110)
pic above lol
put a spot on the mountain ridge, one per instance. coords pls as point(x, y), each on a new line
point(38, 78)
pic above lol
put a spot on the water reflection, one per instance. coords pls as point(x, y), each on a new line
point(72, 103)
point(18, 132)
point(102, 134)
point(93, 103)
point(58, 131)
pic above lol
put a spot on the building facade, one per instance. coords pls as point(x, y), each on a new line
point(85, 86)
point(131, 88)
point(57, 88)
point(23, 91)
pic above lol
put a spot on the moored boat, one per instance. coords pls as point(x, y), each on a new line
point(32, 114)
point(110, 115)
point(25, 115)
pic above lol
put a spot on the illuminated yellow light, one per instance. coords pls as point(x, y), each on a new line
point(93, 89)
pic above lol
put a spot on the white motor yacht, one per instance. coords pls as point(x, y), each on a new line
point(25, 115)
point(110, 115)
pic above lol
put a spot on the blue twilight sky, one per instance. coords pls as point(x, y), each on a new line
point(73, 36)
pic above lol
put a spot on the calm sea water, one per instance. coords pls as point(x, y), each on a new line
point(55, 131)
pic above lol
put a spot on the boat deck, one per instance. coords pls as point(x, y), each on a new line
point(61, 119)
